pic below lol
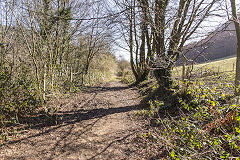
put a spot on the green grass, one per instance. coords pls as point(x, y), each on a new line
point(223, 65)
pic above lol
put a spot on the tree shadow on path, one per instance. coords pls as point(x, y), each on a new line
point(66, 118)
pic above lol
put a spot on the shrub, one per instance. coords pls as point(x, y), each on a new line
point(206, 126)
point(17, 99)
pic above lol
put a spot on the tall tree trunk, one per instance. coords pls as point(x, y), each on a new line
point(236, 23)
point(131, 43)
point(161, 72)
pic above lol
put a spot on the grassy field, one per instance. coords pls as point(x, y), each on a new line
point(224, 65)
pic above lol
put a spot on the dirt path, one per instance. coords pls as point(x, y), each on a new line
point(95, 124)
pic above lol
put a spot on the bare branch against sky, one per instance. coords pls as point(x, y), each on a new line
point(115, 11)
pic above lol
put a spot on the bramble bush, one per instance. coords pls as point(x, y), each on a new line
point(18, 98)
point(205, 124)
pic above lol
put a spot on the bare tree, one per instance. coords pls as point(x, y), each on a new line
point(57, 40)
point(158, 31)
point(185, 22)
point(237, 28)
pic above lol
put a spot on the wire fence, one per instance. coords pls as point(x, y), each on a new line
point(203, 70)
point(216, 69)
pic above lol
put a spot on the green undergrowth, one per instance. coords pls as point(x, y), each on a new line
point(18, 98)
point(127, 77)
point(194, 119)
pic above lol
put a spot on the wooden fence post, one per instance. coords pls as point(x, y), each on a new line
point(201, 71)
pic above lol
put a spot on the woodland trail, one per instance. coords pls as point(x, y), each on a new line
point(95, 124)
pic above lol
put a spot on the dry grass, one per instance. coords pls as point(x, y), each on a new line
point(219, 66)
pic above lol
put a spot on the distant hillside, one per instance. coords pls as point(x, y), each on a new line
point(218, 45)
